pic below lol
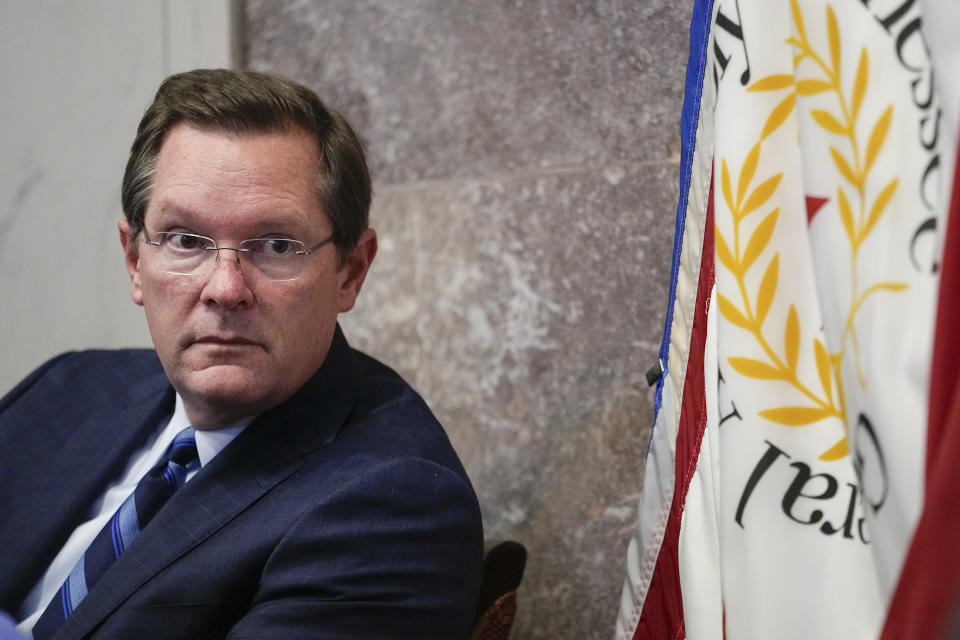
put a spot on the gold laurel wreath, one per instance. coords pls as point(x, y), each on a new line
point(854, 171)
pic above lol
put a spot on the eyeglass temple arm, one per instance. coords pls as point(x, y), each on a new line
point(319, 245)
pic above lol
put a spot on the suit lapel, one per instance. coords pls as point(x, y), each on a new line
point(90, 453)
point(260, 458)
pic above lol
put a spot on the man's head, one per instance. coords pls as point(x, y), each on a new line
point(246, 102)
point(225, 237)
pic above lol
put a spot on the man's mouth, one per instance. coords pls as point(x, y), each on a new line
point(225, 339)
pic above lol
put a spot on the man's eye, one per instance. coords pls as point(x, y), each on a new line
point(278, 246)
point(185, 241)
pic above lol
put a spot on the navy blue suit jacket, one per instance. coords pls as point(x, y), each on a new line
point(342, 513)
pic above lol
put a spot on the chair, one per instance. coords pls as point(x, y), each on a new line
point(503, 567)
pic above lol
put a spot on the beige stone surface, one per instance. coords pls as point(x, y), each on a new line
point(525, 157)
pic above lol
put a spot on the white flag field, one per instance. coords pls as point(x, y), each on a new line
point(800, 476)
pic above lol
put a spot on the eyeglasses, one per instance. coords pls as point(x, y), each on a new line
point(186, 254)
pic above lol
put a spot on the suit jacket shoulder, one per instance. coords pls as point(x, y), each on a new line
point(97, 371)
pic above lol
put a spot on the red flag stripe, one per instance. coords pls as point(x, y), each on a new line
point(927, 598)
point(662, 615)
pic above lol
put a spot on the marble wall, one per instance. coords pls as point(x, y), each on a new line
point(524, 154)
point(76, 79)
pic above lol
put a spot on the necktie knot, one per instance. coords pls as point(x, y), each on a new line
point(180, 458)
point(183, 449)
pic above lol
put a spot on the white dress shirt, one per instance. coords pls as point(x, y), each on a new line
point(209, 444)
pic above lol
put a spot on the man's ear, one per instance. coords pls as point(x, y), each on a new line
point(131, 256)
point(355, 270)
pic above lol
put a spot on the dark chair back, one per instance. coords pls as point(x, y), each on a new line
point(503, 568)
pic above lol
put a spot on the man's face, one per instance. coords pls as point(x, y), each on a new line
point(232, 341)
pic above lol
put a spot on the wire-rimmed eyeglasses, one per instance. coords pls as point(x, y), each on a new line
point(187, 254)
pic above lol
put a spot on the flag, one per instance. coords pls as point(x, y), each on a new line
point(789, 457)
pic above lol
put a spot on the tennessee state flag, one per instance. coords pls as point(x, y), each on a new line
point(806, 440)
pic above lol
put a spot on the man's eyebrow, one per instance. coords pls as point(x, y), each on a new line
point(170, 210)
point(265, 224)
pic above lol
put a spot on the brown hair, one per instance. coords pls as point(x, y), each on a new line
point(248, 102)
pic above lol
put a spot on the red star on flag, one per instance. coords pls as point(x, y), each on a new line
point(814, 205)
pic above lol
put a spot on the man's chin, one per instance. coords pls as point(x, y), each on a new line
point(227, 388)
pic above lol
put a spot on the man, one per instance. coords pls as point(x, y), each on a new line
point(322, 499)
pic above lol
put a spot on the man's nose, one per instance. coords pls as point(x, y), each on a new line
point(227, 286)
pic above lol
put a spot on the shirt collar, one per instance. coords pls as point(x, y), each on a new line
point(209, 443)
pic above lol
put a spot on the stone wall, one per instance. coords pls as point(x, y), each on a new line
point(524, 155)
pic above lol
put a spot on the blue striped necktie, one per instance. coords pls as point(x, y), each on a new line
point(151, 493)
